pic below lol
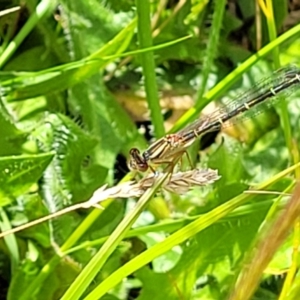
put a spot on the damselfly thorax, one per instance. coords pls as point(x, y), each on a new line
point(170, 148)
point(167, 150)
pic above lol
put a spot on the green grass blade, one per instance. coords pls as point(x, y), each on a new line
point(147, 60)
point(81, 283)
point(180, 236)
point(212, 45)
point(42, 9)
point(230, 79)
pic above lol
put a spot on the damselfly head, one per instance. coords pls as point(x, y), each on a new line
point(136, 161)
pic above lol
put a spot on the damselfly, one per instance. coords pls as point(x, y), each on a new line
point(170, 148)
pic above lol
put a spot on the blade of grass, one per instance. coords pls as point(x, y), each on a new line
point(178, 237)
point(231, 78)
point(10, 241)
point(73, 238)
point(290, 278)
point(147, 61)
point(212, 45)
point(58, 78)
point(173, 225)
point(44, 7)
point(263, 251)
point(88, 274)
point(34, 84)
point(271, 24)
point(53, 262)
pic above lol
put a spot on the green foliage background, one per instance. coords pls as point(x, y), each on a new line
point(64, 134)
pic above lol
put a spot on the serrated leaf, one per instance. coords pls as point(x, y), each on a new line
point(63, 180)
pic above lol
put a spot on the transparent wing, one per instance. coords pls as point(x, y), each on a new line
point(262, 95)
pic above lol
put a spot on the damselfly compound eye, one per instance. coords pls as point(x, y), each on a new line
point(136, 161)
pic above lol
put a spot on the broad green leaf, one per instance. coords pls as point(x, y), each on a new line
point(221, 245)
point(19, 173)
